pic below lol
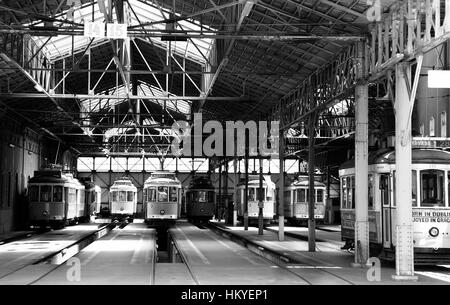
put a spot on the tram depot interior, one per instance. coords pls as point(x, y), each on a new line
point(315, 146)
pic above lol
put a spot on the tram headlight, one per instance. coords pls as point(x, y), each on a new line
point(162, 212)
point(434, 232)
point(44, 213)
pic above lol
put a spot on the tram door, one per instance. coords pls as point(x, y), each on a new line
point(386, 206)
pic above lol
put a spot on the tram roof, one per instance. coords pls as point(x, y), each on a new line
point(419, 155)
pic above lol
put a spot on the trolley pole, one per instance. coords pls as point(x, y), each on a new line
point(261, 199)
point(312, 195)
point(225, 193)
point(404, 103)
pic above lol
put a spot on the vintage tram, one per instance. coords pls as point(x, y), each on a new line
point(162, 197)
point(253, 202)
point(430, 204)
point(56, 198)
point(123, 199)
point(200, 199)
point(296, 198)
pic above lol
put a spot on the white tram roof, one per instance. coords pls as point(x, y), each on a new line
point(254, 180)
point(56, 177)
point(419, 156)
point(123, 184)
point(162, 178)
point(303, 181)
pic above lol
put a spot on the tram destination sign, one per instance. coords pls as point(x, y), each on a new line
point(427, 142)
point(431, 215)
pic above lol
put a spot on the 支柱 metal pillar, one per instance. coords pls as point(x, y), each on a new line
point(361, 175)
point(404, 102)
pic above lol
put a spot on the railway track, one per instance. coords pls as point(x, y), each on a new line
point(275, 257)
point(59, 256)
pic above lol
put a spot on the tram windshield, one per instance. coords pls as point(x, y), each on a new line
point(122, 196)
point(163, 193)
point(46, 193)
point(114, 196)
point(34, 193)
point(432, 188)
point(130, 196)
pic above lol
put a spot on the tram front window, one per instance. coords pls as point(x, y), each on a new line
point(163, 193)
point(432, 186)
point(122, 196)
point(130, 196)
point(201, 196)
point(46, 193)
point(302, 195)
point(114, 196)
point(34, 193)
point(210, 196)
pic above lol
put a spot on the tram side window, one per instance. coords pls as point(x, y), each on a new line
point(57, 193)
point(34, 193)
point(251, 194)
point(72, 195)
point(319, 195)
point(163, 193)
point(350, 192)
point(384, 188)
point(414, 188)
point(370, 192)
point(173, 194)
point(130, 196)
point(302, 195)
point(151, 193)
point(269, 194)
point(344, 192)
point(46, 193)
point(432, 186)
point(210, 196)
point(114, 196)
point(122, 196)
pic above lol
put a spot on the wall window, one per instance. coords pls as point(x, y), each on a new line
point(432, 125)
point(432, 186)
point(444, 124)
